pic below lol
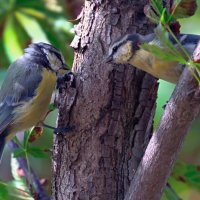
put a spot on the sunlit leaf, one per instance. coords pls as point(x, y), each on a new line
point(32, 12)
point(29, 25)
point(40, 14)
point(14, 190)
point(11, 43)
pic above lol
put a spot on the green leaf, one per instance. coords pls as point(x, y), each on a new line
point(27, 135)
point(162, 53)
point(37, 152)
point(6, 6)
point(170, 194)
point(14, 190)
point(184, 8)
point(11, 43)
point(163, 48)
point(188, 174)
point(3, 191)
point(30, 24)
point(162, 17)
point(38, 8)
point(163, 38)
point(19, 153)
point(157, 6)
point(51, 107)
point(38, 5)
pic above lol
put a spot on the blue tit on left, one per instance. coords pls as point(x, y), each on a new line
point(27, 89)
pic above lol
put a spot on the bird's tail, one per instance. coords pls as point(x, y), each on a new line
point(2, 144)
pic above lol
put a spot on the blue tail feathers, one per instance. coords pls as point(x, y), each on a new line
point(2, 144)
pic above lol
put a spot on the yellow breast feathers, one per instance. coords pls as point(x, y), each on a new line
point(34, 111)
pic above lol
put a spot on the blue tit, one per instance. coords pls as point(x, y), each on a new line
point(126, 50)
point(27, 89)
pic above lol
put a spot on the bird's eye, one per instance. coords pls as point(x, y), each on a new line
point(114, 49)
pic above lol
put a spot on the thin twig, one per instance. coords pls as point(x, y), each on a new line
point(173, 192)
point(40, 191)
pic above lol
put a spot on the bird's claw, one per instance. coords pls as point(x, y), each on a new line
point(65, 81)
point(63, 130)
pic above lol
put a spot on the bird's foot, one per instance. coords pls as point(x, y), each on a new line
point(164, 106)
point(63, 130)
point(60, 130)
point(65, 81)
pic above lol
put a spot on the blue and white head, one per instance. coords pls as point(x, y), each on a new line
point(46, 55)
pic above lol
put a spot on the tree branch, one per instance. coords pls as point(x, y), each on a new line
point(40, 191)
point(165, 144)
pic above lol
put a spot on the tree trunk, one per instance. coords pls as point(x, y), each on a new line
point(111, 107)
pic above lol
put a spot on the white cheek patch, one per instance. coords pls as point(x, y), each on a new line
point(124, 51)
point(121, 52)
point(55, 63)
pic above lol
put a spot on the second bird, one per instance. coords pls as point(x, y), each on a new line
point(127, 50)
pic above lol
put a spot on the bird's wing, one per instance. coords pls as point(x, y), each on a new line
point(19, 86)
point(188, 41)
point(6, 116)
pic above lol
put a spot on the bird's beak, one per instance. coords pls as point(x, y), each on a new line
point(109, 59)
point(65, 67)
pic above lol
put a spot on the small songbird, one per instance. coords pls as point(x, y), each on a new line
point(127, 50)
point(27, 89)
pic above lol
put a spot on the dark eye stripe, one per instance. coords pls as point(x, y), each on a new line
point(52, 49)
point(115, 49)
point(58, 56)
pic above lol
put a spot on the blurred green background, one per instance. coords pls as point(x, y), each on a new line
point(185, 179)
point(21, 23)
point(26, 21)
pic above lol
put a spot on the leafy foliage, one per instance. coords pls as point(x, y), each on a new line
point(185, 176)
point(17, 188)
point(23, 22)
point(166, 18)
point(188, 174)
point(172, 10)
point(27, 149)
point(166, 49)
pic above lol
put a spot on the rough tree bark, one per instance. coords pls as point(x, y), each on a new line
point(111, 107)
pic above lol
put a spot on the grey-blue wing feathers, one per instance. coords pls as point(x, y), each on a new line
point(19, 86)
